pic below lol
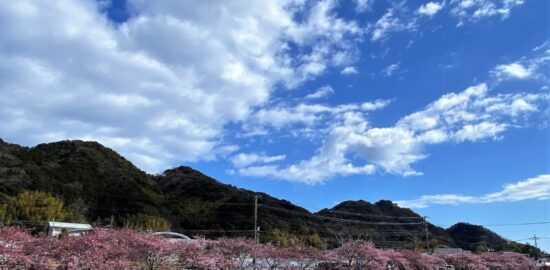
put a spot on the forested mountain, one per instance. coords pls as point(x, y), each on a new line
point(95, 184)
point(478, 238)
point(387, 224)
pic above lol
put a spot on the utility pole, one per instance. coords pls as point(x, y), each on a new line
point(256, 217)
point(426, 229)
point(112, 221)
point(256, 238)
point(535, 238)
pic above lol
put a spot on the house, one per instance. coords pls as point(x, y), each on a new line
point(450, 251)
point(54, 228)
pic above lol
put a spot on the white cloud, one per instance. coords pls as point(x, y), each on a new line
point(430, 8)
point(532, 188)
point(322, 92)
point(243, 160)
point(543, 46)
point(476, 10)
point(536, 188)
point(281, 116)
point(375, 105)
point(352, 146)
point(349, 71)
point(445, 199)
point(161, 87)
point(389, 23)
point(479, 131)
point(363, 5)
point(330, 161)
point(515, 70)
point(532, 67)
point(304, 119)
point(390, 70)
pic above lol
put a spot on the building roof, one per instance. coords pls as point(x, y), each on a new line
point(66, 225)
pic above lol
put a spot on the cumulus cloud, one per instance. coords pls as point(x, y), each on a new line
point(514, 70)
point(363, 5)
point(430, 8)
point(479, 131)
point(349, 71)
point(353, 146)
point(389, 23)
point(536, 188)
point(160, 87)
point(375, 105)
point(476, 10)
point(304, 119)
point(527, 67)
point(322, 92)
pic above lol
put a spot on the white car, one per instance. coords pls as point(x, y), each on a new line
point(173, 237)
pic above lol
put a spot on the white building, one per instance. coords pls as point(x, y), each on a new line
point(54, 228)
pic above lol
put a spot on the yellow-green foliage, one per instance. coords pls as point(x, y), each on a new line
point(148, 222)
point(280, 238)
point(3, 212)
point(285, 239)
point(313, 240)
point(35, 206)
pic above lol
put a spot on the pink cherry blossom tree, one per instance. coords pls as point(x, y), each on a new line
point(465, 261)
point(150, 250)
point(361, 254)
point(237, 254)
point(271, 257)
point(397, 260)
point(304, 257)
point(198, 254)
point(129, 249)
point(12, 243)
point(507, 261)
point(423, 261)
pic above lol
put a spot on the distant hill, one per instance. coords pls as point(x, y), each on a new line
point(478, 238)
point(79, 170)
point(108, 189)
point(398, 225)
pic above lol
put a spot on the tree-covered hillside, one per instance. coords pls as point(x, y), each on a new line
point(477, 238)
point(95, 184)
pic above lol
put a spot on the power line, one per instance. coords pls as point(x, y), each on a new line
point(371, 215)
point(505, 224)
point(341, 219)
point(535, 238)
point(517, 224)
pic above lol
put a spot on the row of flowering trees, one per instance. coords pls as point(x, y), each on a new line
point(128, 249)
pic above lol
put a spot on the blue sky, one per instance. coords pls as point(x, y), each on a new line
point(441, 106)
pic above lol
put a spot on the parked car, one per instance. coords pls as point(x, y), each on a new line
point(173, 237)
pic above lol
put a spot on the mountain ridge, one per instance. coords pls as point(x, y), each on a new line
point(115, 191)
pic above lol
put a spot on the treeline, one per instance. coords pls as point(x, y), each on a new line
point(129, 249)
